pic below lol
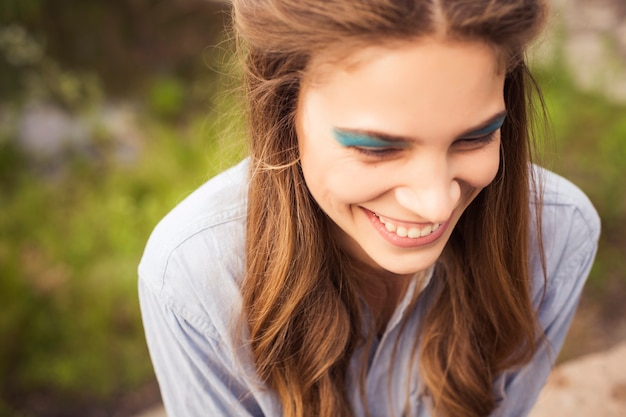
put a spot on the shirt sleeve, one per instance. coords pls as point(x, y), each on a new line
point(197, 373)
point(190, 298)
point(571, 229)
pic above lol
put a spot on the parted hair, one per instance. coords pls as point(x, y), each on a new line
point(301, 303)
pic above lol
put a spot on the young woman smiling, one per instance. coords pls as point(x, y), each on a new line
point(388, 248)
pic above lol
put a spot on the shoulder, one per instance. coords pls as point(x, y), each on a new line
point(560, 196)
point(194, 259)
point(570, 229)
point(567, 214)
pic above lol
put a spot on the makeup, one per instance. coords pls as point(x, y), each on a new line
point(490, 128)
point(354, 139)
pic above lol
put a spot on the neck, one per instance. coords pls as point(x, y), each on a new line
point(383, 291)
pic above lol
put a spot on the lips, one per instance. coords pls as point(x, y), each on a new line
point(405, 234)
point(412, 231)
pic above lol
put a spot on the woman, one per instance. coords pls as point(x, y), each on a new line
point(387, 249)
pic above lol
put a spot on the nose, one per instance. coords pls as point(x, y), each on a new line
point(432, 198)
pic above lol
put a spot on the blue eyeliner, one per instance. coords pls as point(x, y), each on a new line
point(352, 139)
point(497, 124)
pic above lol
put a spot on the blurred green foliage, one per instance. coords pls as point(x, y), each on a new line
point(70, 242)
point(125, 41)
point(589, 148)
point(166, 97)
point(68, 253)
point(73, 224)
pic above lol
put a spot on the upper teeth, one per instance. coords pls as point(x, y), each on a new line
point(412, 232)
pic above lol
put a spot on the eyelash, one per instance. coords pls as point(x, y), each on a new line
point(481, 140)
point(472, 143)
point(376, 152)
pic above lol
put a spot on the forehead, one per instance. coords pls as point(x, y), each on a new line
point(349, 56)
point(407, 88)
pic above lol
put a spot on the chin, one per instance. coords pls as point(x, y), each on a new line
point(409, 267)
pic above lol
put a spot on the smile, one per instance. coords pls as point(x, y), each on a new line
point(406, 234)
point(412, 232)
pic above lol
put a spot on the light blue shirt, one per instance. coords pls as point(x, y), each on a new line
point(189, 280)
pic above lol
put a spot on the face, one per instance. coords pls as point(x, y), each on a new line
point(395, 147)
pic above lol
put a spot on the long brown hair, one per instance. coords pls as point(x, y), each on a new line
point(300, 301)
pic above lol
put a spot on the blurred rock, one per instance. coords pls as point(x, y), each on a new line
point(593, 38)
point(50, 134)
point(120, 122)
point(46, 131)
point(158, 411)
point(593, 385)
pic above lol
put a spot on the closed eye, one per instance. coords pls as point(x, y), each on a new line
point(373, 146)
point(376, 152)
point(463, 144)
point(483, 136)
point(477, 142)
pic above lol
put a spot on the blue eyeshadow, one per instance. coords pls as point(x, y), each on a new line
point(361, 140)
point(492, 127)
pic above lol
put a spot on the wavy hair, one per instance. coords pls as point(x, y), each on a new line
point(300, 300)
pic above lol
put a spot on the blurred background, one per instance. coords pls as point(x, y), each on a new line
point(112, 112)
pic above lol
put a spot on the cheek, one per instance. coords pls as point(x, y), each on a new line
point(336, 181)
point(480, 170)
point(334, 177)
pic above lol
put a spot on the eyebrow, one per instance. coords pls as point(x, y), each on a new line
point(491, 124)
